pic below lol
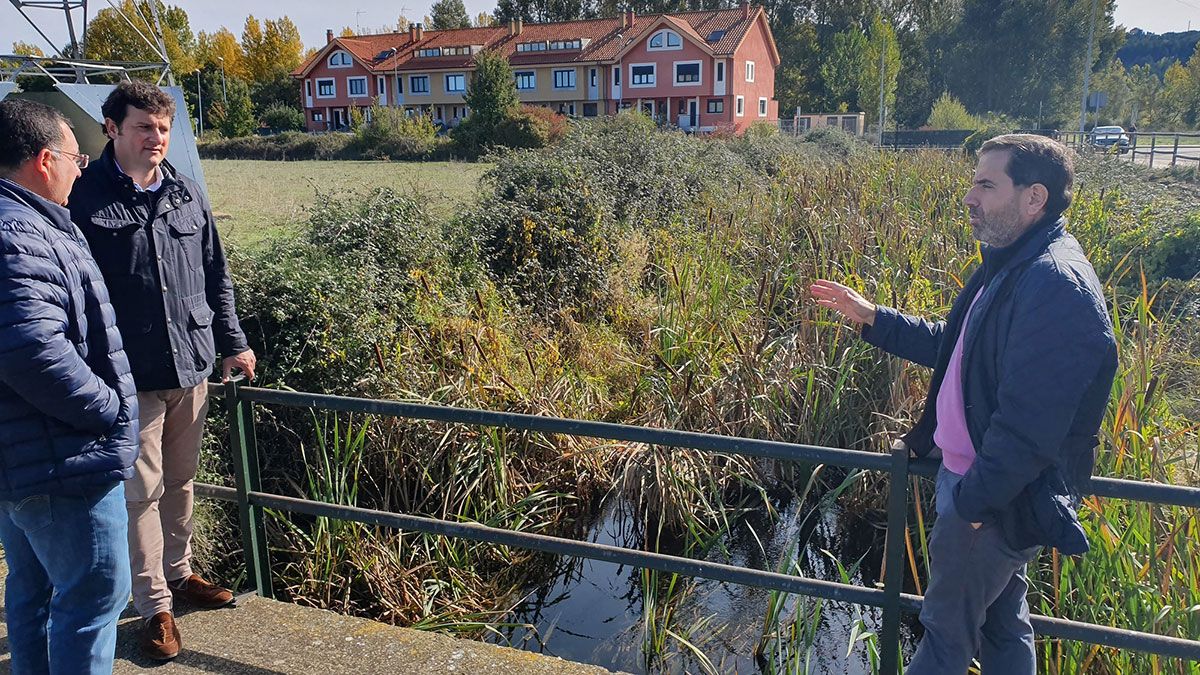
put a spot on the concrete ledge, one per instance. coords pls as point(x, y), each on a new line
point(265, 637)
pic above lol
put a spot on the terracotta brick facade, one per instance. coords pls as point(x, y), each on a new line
point(686, 69)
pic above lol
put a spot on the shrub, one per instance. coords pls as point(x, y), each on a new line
point(835, 142)
point(949, 113)
point(280, 117)
point(290, 145)
point(984, 134)
point(551, 226)
point(391, 134)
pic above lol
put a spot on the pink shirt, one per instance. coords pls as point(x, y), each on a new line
point(951, 435)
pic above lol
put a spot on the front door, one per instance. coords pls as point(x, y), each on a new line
point(339, 118)
point(693, 112)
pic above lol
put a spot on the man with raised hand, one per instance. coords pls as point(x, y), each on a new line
point(1023, 366)
point(68, 412)
point(154, 237)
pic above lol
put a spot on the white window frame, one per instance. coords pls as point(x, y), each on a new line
point(749, 71)
point(666, 34)
point(308, 88)
point(318, 116)
point(653, 76)
point(699, 73)
point(740, 108)
point(571, 77)
point(412, 90)
point(762, 106)
point(532, 78)
point(446, 82)
point(709, 103)
point(357, 78)
point(381, 85)
point(720, 68)
point(616, 76)
point(332, 82)
point(346, 61)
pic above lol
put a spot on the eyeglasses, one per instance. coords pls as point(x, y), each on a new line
point(80, 160)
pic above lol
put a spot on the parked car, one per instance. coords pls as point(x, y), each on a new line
point(1106, 138)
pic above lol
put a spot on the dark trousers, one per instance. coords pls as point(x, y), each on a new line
point(975, 605)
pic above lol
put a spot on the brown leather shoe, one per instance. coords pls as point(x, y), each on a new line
point(160, 637)
point(197, 592)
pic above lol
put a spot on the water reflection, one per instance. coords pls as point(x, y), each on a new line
point(592, 612)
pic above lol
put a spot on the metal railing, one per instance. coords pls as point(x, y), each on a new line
point(252, 502)
point(1166, 148)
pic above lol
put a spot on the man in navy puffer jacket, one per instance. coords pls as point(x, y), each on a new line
point(68, 411)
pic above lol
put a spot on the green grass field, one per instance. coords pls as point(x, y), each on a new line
point(254, 200)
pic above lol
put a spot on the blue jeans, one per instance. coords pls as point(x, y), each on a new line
point(68, 580)
point(975, 603)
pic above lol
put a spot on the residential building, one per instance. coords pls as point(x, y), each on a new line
point(700, 71)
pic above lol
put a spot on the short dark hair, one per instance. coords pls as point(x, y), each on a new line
point(139, 94)
point(27, 128)
point(1038, 159)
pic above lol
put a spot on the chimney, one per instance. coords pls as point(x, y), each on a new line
point(520, 25)
point(512, 27)
point(412, 32)
point(328, 35)
point(629, 19)
point(745, 5)
point(420, 32)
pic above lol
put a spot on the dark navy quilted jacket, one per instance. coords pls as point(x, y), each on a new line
point(1038, 360)
point(68, 408)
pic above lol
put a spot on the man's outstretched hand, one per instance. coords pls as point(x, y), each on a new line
point(844, 300)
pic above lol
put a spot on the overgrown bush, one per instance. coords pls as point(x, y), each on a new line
point(389, 133)
point(552, 221)
point(835, 142)
point(526, 126)
point(281, 117)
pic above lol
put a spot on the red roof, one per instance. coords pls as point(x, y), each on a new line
point(606, 39)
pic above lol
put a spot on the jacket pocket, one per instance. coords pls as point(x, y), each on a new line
point(1045, 514)
point(200, 317)
point(185, 226)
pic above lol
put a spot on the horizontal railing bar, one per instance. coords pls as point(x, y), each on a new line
point(559, 425)
point(1046, 627)
point(662, 562)
point(1161, 493)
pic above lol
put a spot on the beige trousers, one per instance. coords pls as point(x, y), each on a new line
point(159, 496)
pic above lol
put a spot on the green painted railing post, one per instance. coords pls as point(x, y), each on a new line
point(247, 478)
point(893, 560)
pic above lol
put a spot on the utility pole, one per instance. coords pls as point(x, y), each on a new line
point(1087, 75)
point(199, 103)
point(224, 94)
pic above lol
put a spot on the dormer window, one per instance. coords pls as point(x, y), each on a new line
point(423, 53)
point(665, 40)
point(531, 46)
point(559, 45)
point(340, 59)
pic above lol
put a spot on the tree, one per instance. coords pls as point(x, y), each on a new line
point(484, 20)
point(283, 118)
point(949, 113)
point(26, 49)
point(110, 37)
point(883, 65)
point(843, 68)
point(282, 45)
point(347, 31)
point(449, 14)
point(492, 93)
point(221, 48)
point(237, 117)
point(1145, 88)
point(254, 49)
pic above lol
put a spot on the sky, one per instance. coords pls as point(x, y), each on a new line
point(1156, 16)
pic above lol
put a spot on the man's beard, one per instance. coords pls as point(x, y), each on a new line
point(999, 228)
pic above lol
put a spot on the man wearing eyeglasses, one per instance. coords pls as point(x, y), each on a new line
point(154, 237)
point(68, 412)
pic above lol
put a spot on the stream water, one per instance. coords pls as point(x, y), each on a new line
point(592, 612)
